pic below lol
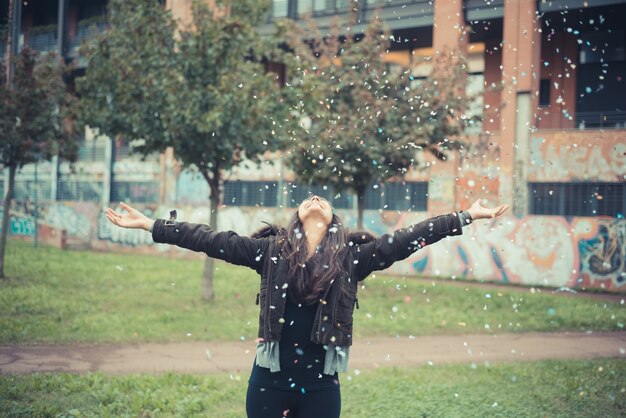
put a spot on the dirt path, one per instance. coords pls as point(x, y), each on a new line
point(236, 357)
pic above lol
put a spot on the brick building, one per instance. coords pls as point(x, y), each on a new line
point(552, 143)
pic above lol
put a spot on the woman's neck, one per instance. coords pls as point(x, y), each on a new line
point(314, 232)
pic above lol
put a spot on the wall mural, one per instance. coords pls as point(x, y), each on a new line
point(535, 250)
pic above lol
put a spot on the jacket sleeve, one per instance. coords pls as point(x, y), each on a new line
point(227, 245)
point(389, 248)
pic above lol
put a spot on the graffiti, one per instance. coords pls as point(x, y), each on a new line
point(479, 176)
point(554, 160)
point(131, 237)
point(191, 188)
point(22, 225)
point(602, 247)
point(535, 250)
point(75, 222)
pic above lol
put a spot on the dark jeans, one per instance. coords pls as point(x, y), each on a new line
point(273, 403)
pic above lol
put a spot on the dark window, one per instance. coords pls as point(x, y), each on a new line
point(403, 196)
point(602, 47)
point(577, 199)
point(296, 193)
point(544, 92)
point(84, 191)
point(135, 191)
point(250, 193)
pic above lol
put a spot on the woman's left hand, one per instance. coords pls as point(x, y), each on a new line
point(478, 211)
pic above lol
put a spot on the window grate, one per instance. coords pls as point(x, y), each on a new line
point(250, 193)
point(135, 191)
point(298, 192)
point(577, 199)
point(403, 196)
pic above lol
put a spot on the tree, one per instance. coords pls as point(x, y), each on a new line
point(36, 121)
point(364, 120)
point(201, 89)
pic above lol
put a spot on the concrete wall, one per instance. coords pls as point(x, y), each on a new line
point(534, 250)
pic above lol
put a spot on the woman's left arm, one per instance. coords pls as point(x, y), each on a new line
point(382, 252)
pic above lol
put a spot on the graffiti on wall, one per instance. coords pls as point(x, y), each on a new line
point(124, 236)
point(479, 172)
point(584, 159)
point(535, 250)
point(602, 248)
point(75, 218)
point(20, 224)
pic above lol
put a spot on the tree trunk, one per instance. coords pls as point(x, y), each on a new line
point(5, 218)
point(208, 293)
point(360, 207)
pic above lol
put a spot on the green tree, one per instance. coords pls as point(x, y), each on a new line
point(201, 89)
point(364, 120)
point(37, 115)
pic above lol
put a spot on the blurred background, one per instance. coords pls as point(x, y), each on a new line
point(546, 81)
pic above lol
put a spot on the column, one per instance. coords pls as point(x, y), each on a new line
point(520, 77)
point(449, 25)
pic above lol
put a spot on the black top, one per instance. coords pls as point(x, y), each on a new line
point(301, 360)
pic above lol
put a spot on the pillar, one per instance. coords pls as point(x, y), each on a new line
point(520, 76)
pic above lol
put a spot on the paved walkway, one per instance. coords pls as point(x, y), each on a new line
point(233, 357)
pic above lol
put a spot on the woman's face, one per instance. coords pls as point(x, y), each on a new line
point(316, 207)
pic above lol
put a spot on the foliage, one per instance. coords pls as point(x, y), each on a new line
point(362, 119)
point(141, 298)
point(198, 87)
point(553, 388)
point(37, 112)
point(37, 120)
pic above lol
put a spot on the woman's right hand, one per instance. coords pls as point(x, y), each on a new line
point(132, 219)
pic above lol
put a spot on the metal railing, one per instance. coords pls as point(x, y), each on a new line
point(296, 9)
point(43, 39)
point(601, 120)
point(87, 29)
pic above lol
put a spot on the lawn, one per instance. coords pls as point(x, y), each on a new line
point(55, 296)
point(552, 388)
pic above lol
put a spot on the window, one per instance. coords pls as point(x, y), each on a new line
point(577, 199)
point(296, 193)
point(80, 190)
point(135, 191)
point(250, 193)
point(475, 90)
point(599, 47)
point(403, 196)
point(544, 92)
point(280, 8)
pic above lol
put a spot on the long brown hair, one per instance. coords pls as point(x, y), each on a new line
point(309, 279)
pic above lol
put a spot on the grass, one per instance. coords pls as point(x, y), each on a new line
point(594, 388)
point(55, 296)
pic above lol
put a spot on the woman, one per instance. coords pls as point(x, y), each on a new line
point(309, 280)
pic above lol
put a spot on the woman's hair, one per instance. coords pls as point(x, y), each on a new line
point(308, 279)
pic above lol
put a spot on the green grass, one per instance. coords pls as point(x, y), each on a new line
point(535, 389)
point(55, 296)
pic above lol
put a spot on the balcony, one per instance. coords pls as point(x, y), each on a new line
point(43, 38)
point(601, 120)
point(85, 30)
point(397, 14)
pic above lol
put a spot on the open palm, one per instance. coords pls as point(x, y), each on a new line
point(132, 219)
point(478, 211)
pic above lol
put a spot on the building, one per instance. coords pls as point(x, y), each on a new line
point(552, 141)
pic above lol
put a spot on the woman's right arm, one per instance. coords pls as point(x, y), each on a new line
point(228, 246)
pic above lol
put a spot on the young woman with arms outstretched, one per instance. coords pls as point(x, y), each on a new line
point(309, 279)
